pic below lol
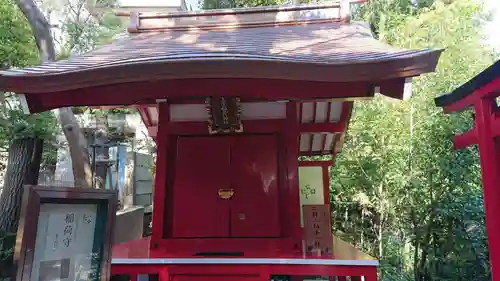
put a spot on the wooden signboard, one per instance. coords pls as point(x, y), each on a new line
point(65, 234)
point(317, 229)
point(224, 115)
point(311, 188)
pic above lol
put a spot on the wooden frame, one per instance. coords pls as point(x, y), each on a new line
point(34, 200)
point(286, 130)
point(262, 271)
point(194, 90)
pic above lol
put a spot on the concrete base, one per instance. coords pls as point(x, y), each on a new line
point(129, 224)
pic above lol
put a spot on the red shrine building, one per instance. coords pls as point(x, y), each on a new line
point(232, 99)
point(481, 94)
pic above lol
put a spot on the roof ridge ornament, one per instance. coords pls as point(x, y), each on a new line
point(336, 11)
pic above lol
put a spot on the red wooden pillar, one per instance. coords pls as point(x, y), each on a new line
point(161, 175)
point(163, 274)
point(371, 275)
point(292, 175)
point(489, 149)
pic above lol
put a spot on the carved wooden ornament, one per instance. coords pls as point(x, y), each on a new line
point(224, 115)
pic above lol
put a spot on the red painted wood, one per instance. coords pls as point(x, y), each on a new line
point(393, 89)
point(145, 116)
point(147, 92)
point(470, 137)
point(267, 126)
point(161, 176)
point(326, 163)
point(237, 271)
point(265, 274)
point(274, 269)
point(227, 269)
point(201, 171)
point(249, 126)
point(163, 274)
point(124, 251)
point(251, 247)
point(371, 275)
point(117, 269)
point(326, 186)
point(291, 205)
point(489, 149)
point(289, 242)
point(465, 139)
point(311, 140)
point(322, 127)
point(254, 172)
point(487, 91)
point(496, 121)
point(328, 113)
point(215, 278)
point(345, 115)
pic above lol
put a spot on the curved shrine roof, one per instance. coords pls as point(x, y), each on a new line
point(308, 43)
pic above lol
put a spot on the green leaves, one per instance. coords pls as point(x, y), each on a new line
point(17, 49)
point(17, 46)
point(225, 4)
point(398, 159)
point(16, 125)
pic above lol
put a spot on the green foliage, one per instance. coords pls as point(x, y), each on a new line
point(83, 32)
point(17, 45)
point(17, 49)
point(418, 203)
point(226, 4)
point(17, 125)
point(7, 243)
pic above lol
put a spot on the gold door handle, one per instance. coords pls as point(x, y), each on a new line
point(225, 194)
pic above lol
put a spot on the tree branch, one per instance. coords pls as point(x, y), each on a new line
point(41, 29)
point(77, 142)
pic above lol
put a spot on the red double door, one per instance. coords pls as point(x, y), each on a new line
point(226, 187)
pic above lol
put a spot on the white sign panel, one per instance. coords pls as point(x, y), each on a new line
point(66, 253)
point(311, 187)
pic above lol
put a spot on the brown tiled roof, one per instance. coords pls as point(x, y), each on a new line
point(322, 49)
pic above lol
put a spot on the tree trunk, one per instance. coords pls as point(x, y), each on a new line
point(82, 173)
point(76, 141)
point(23, 167)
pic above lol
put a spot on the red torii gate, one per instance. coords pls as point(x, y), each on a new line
point(481, 93)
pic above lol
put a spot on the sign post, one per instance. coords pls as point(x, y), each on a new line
point(65, 234)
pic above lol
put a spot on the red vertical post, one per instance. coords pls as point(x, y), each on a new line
point(292, 174)
point(326, 183)
point(161, 175)
point(163, 274)
point(372, 275)
point(489, 156)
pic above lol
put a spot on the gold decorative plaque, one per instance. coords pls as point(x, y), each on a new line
point(224, 115)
